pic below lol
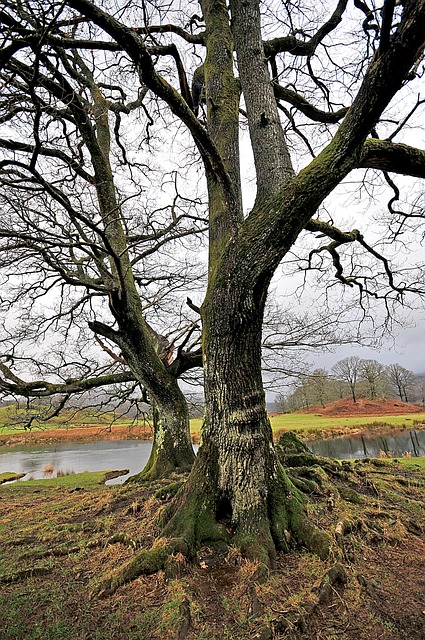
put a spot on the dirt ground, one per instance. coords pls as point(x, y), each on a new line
point(58, 543)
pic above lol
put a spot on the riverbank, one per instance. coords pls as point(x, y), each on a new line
point(308, 426)
point(89, 433)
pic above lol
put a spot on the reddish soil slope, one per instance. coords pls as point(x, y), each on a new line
point(365, 407)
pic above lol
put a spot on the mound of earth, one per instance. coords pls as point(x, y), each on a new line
point(365, 407)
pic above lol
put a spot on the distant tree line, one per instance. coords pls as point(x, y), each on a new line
point(354, 378)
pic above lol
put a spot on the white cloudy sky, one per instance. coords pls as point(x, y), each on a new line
point(408, 349)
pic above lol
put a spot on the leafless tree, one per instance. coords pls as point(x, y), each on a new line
point(290, 338)
point(349, 370)
point(316, 91)
point(372, 373)
point(401, 380)
point(92, 222)
point(420, 389)
point(314, 389)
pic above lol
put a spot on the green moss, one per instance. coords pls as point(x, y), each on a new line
point(258, 547)
point(289, 443)
point(350, 495)
point(72, 481)
point(169, 491)
point(289, 521)
point(9, 476)
point(194, 521)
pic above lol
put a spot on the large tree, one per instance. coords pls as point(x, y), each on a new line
point(68, 227)
point(293, 73)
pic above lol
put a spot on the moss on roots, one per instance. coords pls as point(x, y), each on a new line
point(196, 515)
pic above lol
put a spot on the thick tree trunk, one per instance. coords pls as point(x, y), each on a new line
point(171, 448)
point(237, 490)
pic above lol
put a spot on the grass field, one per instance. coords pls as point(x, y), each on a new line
point(314, 425)
point(11, 419)
point(413, 463)
point(61, 536)
point(306, 424)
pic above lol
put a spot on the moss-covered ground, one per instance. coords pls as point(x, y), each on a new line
point(61, 536)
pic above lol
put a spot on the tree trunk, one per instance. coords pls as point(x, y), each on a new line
point(172, 448)
point(238, 490)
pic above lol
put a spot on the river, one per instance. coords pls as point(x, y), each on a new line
point(133, 454)
point(76, 457)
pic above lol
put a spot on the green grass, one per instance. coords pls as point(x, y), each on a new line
point(313, 422)
point(413, 463)
point(308, 424)
point(69, 537)
point(11, 419)
point(8, 476)
point(72, 481)
point(303, 423)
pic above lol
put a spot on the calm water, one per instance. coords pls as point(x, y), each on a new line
point(133, 454)
point(84, 456)
point(370, 446)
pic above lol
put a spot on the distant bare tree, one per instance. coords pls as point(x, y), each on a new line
point(349, 370)
point(420, 388)
point(401, 379)
point(372, 373)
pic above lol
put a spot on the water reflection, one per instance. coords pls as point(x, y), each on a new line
point(133, 454)
point(77, 457)
point(407, 442)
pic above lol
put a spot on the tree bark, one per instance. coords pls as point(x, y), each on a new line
point(172, 448)
point(237, 490)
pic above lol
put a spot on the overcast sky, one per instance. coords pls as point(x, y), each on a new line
point(407, 349)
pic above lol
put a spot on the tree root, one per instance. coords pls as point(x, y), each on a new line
point(123, 538)
point(56, 553)
point(169, 491)
point(24, 574)
point(196, 515)
point(185, 619)
point(145, 562)
point(162, 465)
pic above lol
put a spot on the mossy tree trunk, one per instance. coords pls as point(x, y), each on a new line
point(237, 488)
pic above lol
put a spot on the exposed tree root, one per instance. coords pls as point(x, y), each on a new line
point(184, 619)
point(169, 491)
point(56, 553)
point(157, 469)
point(295, 625)
point(24, 574)
point(197, 516)
point(144, 562)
